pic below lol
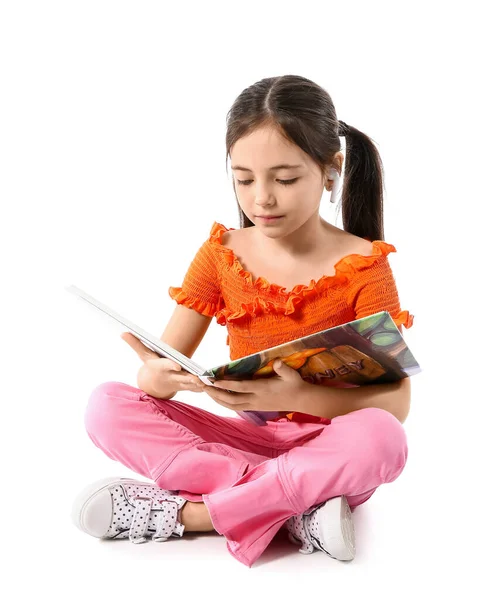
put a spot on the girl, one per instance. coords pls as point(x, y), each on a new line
point(283, 274)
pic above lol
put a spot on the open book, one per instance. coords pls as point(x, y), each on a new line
point(364, 351)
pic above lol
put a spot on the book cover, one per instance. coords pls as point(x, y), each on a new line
point(366, 351)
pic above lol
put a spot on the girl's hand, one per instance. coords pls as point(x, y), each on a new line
point(282, 393)
point(162, 375)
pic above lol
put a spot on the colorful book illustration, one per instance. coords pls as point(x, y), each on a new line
point(366, 351)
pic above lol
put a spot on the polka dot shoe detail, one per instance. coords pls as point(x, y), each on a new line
point(117, 508)
point(327, 527)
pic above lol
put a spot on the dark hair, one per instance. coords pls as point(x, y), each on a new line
point(304, 114)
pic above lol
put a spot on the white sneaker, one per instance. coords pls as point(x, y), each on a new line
point(327, 527)
point(118, 507)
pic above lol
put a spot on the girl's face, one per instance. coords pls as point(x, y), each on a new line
point(292, 192)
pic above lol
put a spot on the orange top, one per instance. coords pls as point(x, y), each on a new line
point(259, 314)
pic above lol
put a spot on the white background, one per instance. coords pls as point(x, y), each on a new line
point(113, 171)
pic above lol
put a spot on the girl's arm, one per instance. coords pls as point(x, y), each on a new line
point(330, 402)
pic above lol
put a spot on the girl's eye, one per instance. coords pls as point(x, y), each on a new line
point(282, 181)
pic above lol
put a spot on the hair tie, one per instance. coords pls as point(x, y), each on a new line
point(343, 128)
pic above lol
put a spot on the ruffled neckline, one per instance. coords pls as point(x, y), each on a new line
point(344, 267)
point(275, 299)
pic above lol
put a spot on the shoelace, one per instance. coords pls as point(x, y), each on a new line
point(168, 522)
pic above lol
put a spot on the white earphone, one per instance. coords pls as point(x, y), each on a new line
point(336, 184)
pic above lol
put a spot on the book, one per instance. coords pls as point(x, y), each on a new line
point(369, 350)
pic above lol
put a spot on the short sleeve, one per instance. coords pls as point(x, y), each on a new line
point(200, 289)
point(375, 290)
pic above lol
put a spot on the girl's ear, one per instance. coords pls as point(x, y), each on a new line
point(337, 163)
point(339, 160)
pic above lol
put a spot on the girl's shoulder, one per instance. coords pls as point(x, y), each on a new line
point(349, 243)
point(357, 245)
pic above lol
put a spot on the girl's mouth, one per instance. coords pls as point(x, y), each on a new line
point(269, 219)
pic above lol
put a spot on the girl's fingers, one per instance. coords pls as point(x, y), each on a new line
point(192, 387)
point(221, 397)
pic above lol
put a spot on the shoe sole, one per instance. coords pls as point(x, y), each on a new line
point(337, 529)
point(87, 494)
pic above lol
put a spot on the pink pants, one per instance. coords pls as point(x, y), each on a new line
point(251, 479)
